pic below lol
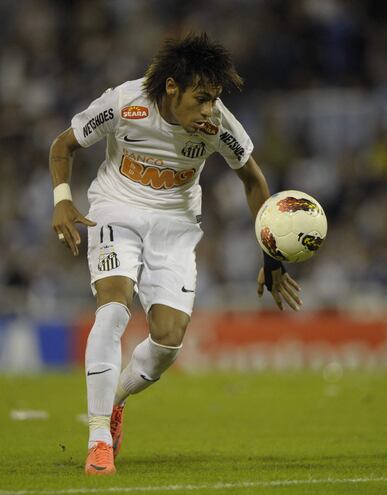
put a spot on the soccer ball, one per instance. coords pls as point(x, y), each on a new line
point(291, 226)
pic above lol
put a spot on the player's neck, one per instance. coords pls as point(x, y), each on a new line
point(164, 106)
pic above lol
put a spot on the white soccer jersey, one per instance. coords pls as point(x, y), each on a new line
point(150, 163)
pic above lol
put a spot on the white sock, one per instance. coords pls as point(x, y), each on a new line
point(103, 366)
point(148, 362)
point(99, 428)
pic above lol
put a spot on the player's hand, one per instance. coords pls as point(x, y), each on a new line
point(64, 219)
point(283, 289)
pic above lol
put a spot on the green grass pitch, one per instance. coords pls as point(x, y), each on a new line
point(270, 433)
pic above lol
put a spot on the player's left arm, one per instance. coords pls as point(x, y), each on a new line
point(273, 275)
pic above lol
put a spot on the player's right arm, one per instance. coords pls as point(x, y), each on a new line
point(87, 128)
point(65, 214)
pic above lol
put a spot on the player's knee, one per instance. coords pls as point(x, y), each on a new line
point(168, 331)
point(113, 290)
point(108, 296)
point(169, 337)
point(110, 323)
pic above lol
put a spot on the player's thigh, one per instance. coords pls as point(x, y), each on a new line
point(167, 325)
point(114, 289)
point(168, 275)
point(114, 254)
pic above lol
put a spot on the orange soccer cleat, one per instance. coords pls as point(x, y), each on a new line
point(116, 428)
point(100, 460)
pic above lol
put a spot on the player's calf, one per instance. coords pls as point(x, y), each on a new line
point(103, 365)
point(148, 362)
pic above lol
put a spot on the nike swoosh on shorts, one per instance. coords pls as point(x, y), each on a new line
point(186, 290)
point(128, 140)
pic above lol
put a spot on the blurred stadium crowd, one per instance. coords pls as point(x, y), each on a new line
point(315, 105)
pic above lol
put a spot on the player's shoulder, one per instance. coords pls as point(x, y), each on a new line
point(226, 119)
point(132, 99)
point(131, 90)
point(221, 112)
point(128, 90)
point(134, 85)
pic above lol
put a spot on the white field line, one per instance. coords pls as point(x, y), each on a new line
point(204, 486)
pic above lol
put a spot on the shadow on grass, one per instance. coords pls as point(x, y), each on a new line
point(217, 461)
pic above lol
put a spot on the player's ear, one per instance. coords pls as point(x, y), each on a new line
point(170, 86)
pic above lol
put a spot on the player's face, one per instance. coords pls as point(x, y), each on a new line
point(193, 107)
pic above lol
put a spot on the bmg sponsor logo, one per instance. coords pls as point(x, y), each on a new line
point(154, 177)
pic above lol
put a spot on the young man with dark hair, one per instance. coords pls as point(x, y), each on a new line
point(145, 206)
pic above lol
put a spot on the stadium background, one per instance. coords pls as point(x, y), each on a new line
point(315, 105)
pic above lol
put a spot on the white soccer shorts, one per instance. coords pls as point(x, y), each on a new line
point(155, 250)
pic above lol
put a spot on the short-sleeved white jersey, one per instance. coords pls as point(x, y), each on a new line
point(150, 163)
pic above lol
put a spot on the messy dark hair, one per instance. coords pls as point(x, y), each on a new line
point(194, 59)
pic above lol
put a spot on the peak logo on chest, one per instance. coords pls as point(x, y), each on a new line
point(134, 112)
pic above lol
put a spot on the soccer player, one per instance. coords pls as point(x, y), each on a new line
point(144, 218)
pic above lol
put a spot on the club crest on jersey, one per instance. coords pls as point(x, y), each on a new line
point(193, 150)
point(134, 112)
point(108, 262)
